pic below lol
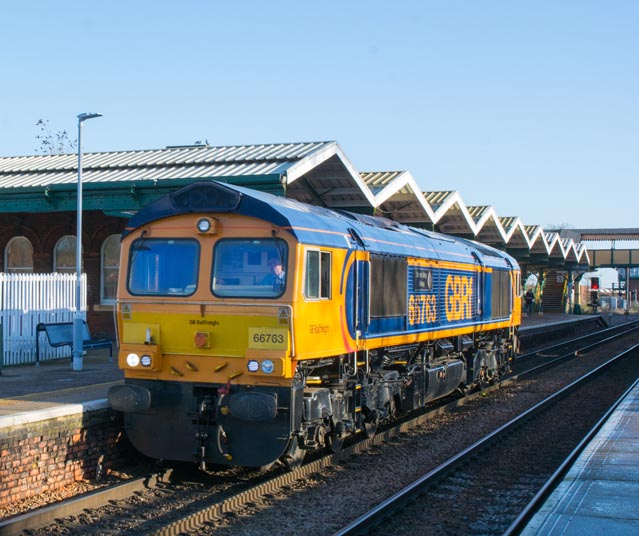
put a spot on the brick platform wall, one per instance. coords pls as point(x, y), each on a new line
point(47, 455)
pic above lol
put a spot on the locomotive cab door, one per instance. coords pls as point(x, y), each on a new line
point(361, 296)
point(479, 294)
point(360, 290)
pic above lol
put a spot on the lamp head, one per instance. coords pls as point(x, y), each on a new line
point(85, 116)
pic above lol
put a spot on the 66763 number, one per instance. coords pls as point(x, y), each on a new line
point(266, 338)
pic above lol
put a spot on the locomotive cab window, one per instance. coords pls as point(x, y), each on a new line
point(163, 266)
point(249, 268)
point(317, 281)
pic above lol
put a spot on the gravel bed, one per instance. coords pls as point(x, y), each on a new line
point(62, 494)
point(496, 486)
point(352, 489)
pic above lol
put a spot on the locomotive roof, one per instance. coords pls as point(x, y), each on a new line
point(317, 225)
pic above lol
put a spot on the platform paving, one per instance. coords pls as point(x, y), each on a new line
point(30, 388)
point(600, 493)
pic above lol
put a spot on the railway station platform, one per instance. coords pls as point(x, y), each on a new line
point(56, 427)
point(27, 388)
point(600, 492)
point(28, 392)
point(549, 319)
point(537, 329)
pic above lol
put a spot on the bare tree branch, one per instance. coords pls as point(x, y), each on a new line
point(54, 142)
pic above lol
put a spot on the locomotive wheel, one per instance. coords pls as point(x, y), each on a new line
point(335, 438)
point(370, 428)
point(294, 456)
point(266, 468)
point(370, 423)
point(334, 442)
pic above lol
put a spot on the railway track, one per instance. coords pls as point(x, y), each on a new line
point(512, 462)
point(69, 514)
point(208, 505)
point(580, 343)
point(541, 359)
point(520, 523)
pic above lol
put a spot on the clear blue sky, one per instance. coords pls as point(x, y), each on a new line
point(532, 107)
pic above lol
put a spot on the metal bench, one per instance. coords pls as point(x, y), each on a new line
point(61, 334)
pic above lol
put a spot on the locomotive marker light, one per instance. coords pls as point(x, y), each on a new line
point(78, 346)
point(208, 225)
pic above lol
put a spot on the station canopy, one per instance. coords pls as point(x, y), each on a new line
point(319, 173)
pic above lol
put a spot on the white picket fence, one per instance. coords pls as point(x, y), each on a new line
point(25, 301)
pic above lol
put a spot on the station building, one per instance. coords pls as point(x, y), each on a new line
point(38, 206)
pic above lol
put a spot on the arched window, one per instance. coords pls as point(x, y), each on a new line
point(64, 255)
point(110, 267)
point(18, 256)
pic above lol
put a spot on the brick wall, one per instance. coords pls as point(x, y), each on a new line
point(47, 455)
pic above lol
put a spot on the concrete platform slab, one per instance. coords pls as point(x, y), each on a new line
point(600, 492)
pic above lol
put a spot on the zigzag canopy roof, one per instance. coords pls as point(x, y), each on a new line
point(318, 173)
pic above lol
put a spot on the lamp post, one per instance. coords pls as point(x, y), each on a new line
point(77, 320)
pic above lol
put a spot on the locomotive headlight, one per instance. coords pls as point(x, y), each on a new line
point(133, 360)
point(206, 225)
point(267, 366)
point(253, 366)
point(203, 225)
point(145, 360)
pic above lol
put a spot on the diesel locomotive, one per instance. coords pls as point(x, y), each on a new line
point(253, 328)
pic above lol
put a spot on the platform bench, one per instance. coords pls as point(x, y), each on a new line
point(61, 334)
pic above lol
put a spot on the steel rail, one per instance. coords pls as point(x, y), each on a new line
point(572, 353)
point(42, 517)
point(622, 328)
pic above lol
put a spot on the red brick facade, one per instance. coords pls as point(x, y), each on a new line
point(44, 229)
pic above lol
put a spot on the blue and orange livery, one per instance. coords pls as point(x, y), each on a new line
point(253, 328)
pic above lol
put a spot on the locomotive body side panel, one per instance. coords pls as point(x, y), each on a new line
point(321, 302)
